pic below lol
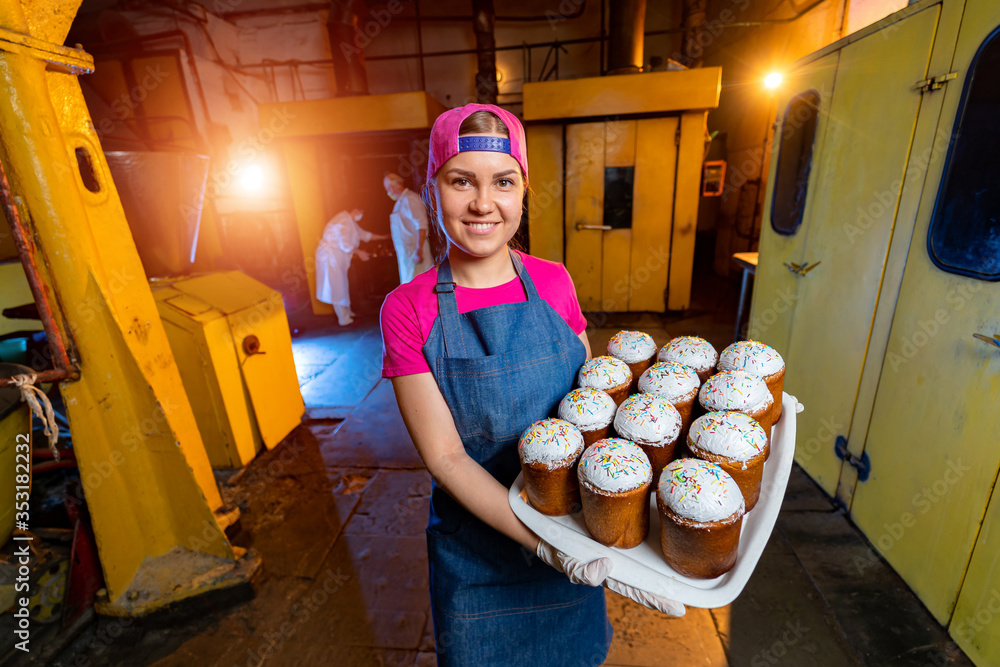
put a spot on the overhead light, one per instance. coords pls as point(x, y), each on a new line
point(251, 178)
point(772, 80)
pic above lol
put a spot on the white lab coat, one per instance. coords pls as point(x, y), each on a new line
point(407, 219)
point(341, 237)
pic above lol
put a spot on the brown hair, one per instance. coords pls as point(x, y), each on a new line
point(478, 122)
point(483, 122)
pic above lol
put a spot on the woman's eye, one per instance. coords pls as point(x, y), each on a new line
point(505, 183)
point(460, 182)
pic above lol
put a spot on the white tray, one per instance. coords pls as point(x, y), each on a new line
point(643, 566)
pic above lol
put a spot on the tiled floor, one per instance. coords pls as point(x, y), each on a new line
point(337, 512)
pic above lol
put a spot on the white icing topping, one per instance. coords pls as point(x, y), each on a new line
point(550, 442)
point(587, 408)
point(735, 390)
point(699, 491)
point(691, 351)
point(669, 380)
point(648, 418)
point(631, 346)
point(731, 434)
point(615, 464)
point(604, 373)
point(752, 357)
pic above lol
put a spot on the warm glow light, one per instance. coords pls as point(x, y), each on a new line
point(772, 80)
point(251, 178)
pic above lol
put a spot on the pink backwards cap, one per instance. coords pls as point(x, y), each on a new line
point(446, 144)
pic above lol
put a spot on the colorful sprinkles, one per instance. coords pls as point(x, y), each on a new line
point(615, 464)
point(731, 434)
point(604, 372)
point(691, 351)
point(549, 441)
point(751, 356)
point(735, 390)
point(632, 346)
point(699, 490)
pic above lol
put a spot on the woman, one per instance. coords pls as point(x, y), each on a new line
point(477, 350)
point(339, 243)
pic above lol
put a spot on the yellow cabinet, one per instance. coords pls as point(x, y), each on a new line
point(230, 337)
point(616, 199)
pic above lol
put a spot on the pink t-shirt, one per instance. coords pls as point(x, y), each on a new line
point(409, 311)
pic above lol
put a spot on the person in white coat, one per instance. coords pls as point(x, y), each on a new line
point(408, 226)
point(338, 245)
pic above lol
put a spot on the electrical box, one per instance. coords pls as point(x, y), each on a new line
point(230, 338)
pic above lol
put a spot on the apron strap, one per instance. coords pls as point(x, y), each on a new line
point(448, 306)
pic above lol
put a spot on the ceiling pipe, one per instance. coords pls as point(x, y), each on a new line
point(347, 54)
point(625, 36)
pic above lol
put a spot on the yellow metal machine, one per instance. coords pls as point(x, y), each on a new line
point(876, 232)
point(146, 476)
point(615, 168)
point(230, 337)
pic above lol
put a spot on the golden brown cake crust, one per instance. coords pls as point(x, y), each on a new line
point(775, 383)
point(659, 456)
point(619, 393)
point(552, 491)
point(616, 519)
point(748, 480)
point(699, 550)
point(590, 437)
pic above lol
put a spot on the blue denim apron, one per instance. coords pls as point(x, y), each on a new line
point(494, 602)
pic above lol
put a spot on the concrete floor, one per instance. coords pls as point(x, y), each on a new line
point(338, 510)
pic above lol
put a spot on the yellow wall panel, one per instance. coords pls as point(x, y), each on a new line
point(687, 194)
point(619, 143)
point(585, 206)
point(652, 212)
point(651, 92)
point(545, 205)
point(615, 270)
point(302, 162)
point(934, 425)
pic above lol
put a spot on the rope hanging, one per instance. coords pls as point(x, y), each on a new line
point(40, 406)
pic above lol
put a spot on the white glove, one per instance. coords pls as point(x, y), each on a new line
point(645, 598)
point(592, 574)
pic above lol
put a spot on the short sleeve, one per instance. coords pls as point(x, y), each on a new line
point(575, 319)
point(402, 340)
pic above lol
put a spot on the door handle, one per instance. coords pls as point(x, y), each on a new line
point(801, 269)
point(580, 226)
point(994, 341)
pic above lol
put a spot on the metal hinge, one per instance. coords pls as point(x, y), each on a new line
point(861, 463)
point(934, 83)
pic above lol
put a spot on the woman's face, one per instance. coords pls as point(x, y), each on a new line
point(479, 195)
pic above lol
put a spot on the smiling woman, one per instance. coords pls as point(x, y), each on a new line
point(478, 349)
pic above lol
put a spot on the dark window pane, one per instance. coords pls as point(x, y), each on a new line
point(964, 236)
point(791, 178)
point(618, 197)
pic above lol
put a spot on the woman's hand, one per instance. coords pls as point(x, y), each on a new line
point(362, 255)
point(433, 432)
